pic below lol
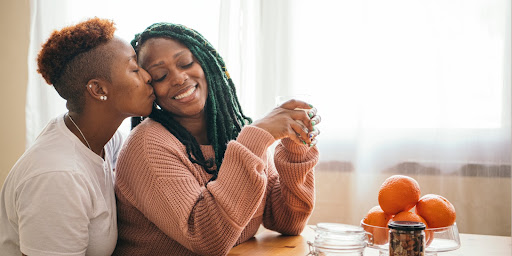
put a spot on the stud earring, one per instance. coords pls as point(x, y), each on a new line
point(90, 86)
point(103, 97)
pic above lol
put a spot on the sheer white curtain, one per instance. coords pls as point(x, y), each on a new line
point(392, 75)
point(43, 102)
point(415, 87)
point(255, 41)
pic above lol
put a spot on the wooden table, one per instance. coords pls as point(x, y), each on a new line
point(272, 243)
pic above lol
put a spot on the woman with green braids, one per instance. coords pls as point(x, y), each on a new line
point(196, 177)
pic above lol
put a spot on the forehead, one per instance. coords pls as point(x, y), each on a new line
point(120, 48)
point(155, 49)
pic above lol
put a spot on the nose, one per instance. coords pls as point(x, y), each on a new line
point(179, 78)
point(146, 77)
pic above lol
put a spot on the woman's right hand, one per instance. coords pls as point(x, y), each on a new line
point(294, 119)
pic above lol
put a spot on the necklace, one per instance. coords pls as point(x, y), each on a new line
point(80, 132)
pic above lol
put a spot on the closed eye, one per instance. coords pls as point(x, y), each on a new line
point(189, 65)
point(160, 79)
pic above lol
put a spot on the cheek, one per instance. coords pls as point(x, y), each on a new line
point(201, 78)
point(159, 90)
point(201, 74)
point(162, 93)
point(197, 72)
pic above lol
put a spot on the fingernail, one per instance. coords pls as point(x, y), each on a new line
point(303, 142)
point(310, 115)
point(311, 106)
point(313, 123)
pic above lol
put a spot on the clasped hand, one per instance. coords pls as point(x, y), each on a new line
point(294, 119)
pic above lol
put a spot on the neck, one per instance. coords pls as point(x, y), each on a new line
point(97, 129)
point(197, 127)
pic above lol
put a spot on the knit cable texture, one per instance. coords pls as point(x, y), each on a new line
point(166, 207)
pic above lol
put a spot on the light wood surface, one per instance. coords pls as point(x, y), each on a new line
point(272, 243)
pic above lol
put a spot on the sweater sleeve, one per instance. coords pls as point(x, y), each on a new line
point(291, 188)
point(155, 175)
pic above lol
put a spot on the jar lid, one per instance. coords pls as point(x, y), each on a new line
point(407, 225)
point(336, 237)
point(338, 228)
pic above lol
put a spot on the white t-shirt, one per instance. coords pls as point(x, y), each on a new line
point(59, 197)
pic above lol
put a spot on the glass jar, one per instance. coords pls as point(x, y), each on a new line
point(406, 238)
point(339, 239)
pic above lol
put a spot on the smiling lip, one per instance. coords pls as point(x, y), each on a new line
point(185, 92)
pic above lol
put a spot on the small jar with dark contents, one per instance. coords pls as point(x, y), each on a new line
point(406, 238)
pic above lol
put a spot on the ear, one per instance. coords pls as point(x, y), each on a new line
point(98, 89)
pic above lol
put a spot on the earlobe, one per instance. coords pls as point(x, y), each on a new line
point(97, 89)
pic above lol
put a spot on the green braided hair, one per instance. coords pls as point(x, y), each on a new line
point(224, 114)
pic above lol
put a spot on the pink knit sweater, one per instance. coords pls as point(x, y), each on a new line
point(165, 208)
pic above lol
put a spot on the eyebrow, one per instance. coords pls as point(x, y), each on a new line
point(162, 62)
point(154, 65)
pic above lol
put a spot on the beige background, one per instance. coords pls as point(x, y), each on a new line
point(15, 31)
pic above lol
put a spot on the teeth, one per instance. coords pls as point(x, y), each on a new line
point(185, 94)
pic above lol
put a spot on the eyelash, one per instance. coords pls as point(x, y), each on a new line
point(159, 79)
point(188, 65)
point(163, 77)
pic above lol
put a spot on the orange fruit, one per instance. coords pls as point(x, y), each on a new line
point(378, 221)
point(398, 193)
point(411, 216)
point(436, 210)
point(377, 217)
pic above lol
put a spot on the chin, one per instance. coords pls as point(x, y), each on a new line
point(147, 112)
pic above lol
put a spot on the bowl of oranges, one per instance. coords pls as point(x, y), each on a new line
point(400, 200)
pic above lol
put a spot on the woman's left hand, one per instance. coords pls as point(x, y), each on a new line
point(314, 121)
point(294, 119)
